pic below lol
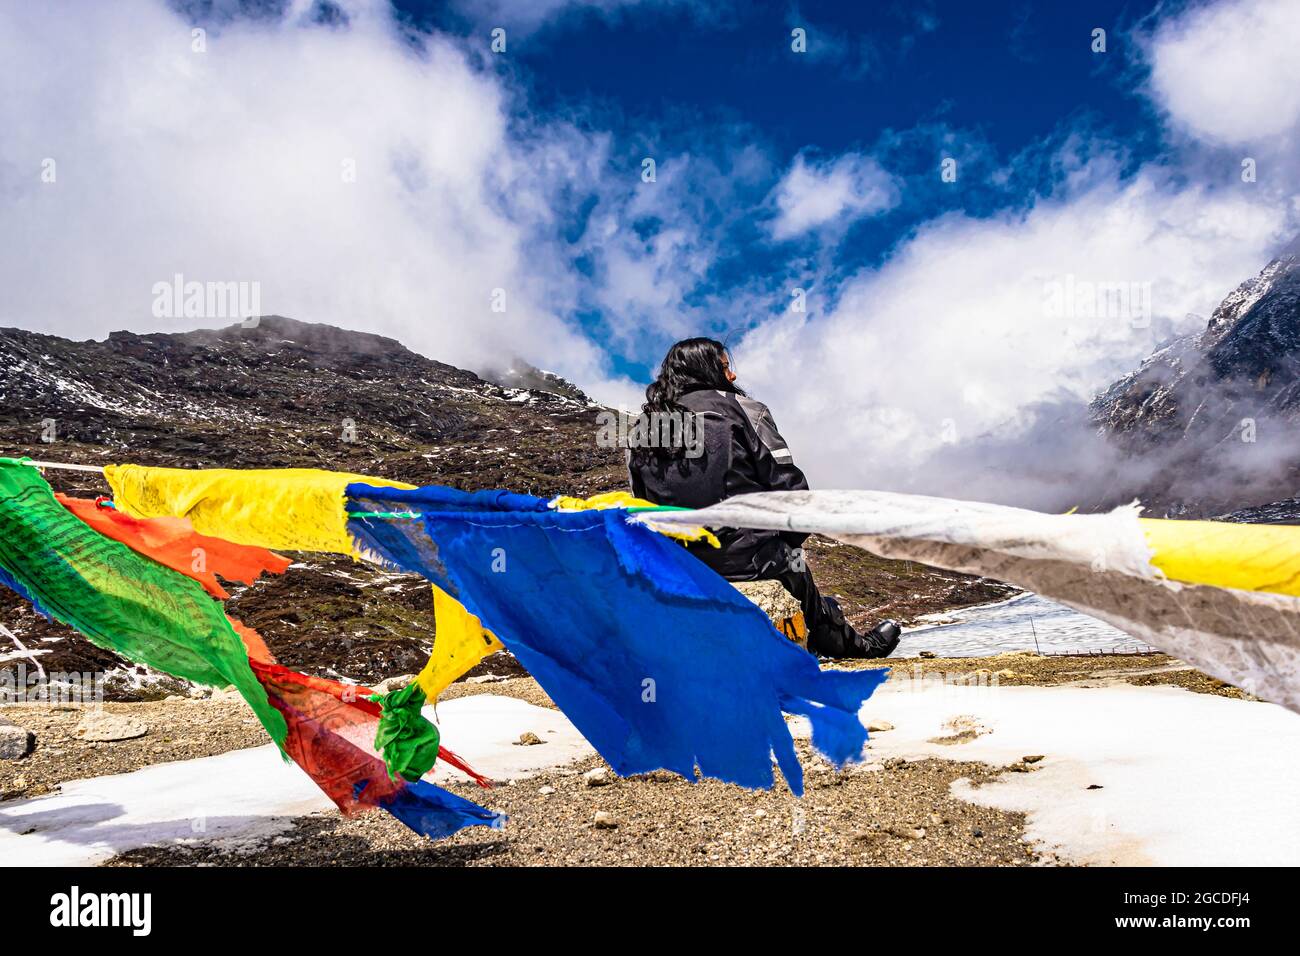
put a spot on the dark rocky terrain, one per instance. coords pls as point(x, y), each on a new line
point(1208, 424)
point(286, 393)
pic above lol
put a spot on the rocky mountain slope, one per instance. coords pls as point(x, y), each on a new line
point(285, 393)
point(1209, 422)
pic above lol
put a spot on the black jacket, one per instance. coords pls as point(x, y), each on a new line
point(742, 452)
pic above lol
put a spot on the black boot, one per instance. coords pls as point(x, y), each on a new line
point(881, 640)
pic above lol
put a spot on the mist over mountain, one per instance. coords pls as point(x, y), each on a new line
point(522, 374)
point(1206, 426)
point(1210, 420)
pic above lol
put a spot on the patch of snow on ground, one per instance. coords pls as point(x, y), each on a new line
point(1185, 779)
point(5, 658)
point(246, 796)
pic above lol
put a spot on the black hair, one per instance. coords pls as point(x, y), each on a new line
point(690, 365)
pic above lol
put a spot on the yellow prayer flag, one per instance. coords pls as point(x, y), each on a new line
point(460, 642)
point(1248, 557)
point(290, 509)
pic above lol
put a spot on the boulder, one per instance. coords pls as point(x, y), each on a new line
point(779, 605)
point(390, 684)
point(15, 742)
point(97, 725)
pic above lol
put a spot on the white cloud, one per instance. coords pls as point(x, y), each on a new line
point(932, 372)
point(957, 334)
point(650, 245)
point(229, 165)
point(1229, 73)
point(812, 195)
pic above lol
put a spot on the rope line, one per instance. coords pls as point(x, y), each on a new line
point(386, 515)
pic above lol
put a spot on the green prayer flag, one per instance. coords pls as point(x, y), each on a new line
point(407, 739)
point(119, 599)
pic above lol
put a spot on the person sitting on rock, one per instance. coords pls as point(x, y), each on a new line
point(701, 439)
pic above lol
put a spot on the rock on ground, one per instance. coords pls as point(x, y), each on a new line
point(15, 742)
point(771, 597)
point(101, 726)
point(598, 777)
point(390, 684)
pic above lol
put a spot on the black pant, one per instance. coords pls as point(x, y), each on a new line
point(829, 634)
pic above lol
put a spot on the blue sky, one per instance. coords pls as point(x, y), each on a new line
point(380, 167)
point(908, 82)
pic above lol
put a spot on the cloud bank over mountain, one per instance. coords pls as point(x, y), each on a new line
point(358, 175)
point(952, 368)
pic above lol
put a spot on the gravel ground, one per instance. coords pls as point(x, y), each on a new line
point(897, 814)
point(892, 813)
point(524, 688)
point(1030, 669)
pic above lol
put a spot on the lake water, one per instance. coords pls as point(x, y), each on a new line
point(1026, 622)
